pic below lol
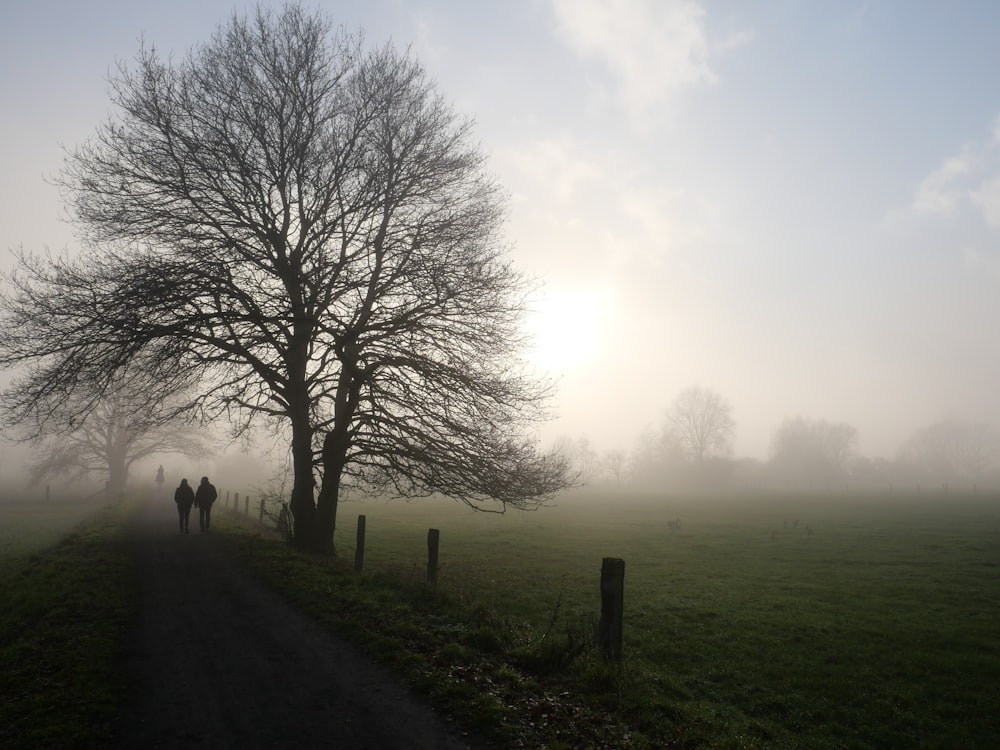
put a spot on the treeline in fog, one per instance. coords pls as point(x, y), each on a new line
point(691, 449)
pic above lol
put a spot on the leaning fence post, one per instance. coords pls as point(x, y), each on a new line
point(359, 548)
point(609, 629)
point(433, 538)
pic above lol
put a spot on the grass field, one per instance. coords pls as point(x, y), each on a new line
point(30, 525)
point(67, 595)
point(756, 622)
point(781, 621)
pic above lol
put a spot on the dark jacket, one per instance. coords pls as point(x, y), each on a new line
point(184, 495)
point(205, 495)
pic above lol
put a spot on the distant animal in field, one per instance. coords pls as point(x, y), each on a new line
point(675, 524)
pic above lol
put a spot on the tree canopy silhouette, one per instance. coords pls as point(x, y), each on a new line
point(813, 450)
point(306, 224)
point(131, 421)
point(702, 421)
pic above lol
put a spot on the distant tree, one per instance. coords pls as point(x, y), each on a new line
point(587, 458)
point(952, 450)
point(141, 412)
point(644, 460)
point(313, 229)
point(657, 457)
point(614, 462)
point(813, 450)
point(702, 421)
point(577, 455)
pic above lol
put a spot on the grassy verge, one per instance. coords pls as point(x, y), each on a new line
point(61, 631)
point(498, 679)
point(771, 622)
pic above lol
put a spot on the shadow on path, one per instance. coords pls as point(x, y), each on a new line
point(216, 660)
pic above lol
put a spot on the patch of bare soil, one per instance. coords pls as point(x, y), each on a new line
point(217, 660)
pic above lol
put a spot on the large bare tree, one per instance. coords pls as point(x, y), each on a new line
point(311, 228)
point(702, 421)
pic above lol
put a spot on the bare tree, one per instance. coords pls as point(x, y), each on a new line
point(577, 455)
point(119, 432)
point(813, 450)
point(952, 450)
point(703, 422)
point(311, 228)
point(142, 412)
point(615, 461)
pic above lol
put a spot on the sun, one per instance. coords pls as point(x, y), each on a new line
point(566, 327)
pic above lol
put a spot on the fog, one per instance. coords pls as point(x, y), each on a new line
point(796, 206)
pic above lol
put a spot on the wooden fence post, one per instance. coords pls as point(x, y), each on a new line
point(609, 629)
point(359, 549)
point(433, 538)
point(261, 518)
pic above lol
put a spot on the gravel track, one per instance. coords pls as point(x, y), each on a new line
point(217, 660)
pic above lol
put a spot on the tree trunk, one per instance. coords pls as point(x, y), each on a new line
point(336, 444)
point(117, 475)
point(302, 505)
point(334, 458)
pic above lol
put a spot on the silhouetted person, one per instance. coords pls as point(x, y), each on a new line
point(204, 498)
point(184, 497)
point(159, 481)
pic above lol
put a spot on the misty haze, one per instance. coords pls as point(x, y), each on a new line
point(551, 374)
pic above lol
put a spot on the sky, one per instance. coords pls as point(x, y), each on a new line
point(794, 204)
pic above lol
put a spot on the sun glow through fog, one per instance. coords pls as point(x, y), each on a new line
point(566, 329)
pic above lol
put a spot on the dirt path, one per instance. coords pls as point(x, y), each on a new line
point(218, 661)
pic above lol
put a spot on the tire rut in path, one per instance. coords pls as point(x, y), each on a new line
point(217, 660)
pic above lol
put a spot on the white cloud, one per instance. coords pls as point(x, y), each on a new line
point(557, 164)
point(940, 193)
point(663, 219)
point(653, 47)
point(603, 201)
point(968, 180)
point(987, 200)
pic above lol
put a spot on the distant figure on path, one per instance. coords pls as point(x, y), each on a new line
point(159, 481)
point(184, 497)
point(204, 498)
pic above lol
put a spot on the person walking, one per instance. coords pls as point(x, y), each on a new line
point(159, 481)
point(184, 497)
point(204, 498)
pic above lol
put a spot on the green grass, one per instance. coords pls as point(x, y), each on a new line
point(871, 623)
point(30, 525)
point(67, 596)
